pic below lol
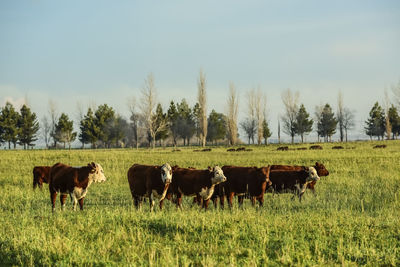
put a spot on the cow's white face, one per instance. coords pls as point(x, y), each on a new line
point(312, 174)
point(97, 173)
point(166, 173)
point(218, 176)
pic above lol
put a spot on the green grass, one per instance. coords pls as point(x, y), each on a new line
point(352, 220)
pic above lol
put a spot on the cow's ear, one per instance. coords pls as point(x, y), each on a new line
point(317, 163)
point(210, 169)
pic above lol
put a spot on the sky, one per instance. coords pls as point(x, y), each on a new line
point(96, 52)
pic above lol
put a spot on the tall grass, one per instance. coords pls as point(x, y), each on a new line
point(352, 219)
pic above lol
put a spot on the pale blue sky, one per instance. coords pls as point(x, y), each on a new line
point(101, 51)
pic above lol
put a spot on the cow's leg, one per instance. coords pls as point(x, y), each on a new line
point(161, 203)
point(221, 201)
point(230, 199)
point(205, 203)
point(253, 201)
point(240, 200)
point(81, 203)
point(74, 202)
point(261, 200)
point(302, 191)
point(179, 200)
point(53, 197)
point(63, 197)
point(215, 202)
point(151, 201)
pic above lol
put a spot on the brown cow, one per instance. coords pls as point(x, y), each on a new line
point(318, 147)
point(242, 180)
point(190, 182)
point(74, 181)
point(283, 148)
point(149, 181)
point(319, 167)
point(293, 180)
point(41, 174)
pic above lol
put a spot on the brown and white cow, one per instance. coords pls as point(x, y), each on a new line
point(149, 181)
point(245, 180)
point(192, 182)
point(74, 181)
point(293, 180)
point(319, 167)
point(41, 174)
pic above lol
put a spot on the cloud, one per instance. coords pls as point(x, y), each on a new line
point(17, 103)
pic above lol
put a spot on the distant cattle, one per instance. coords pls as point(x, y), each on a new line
point(206, 150)
point(149, 181)
point(41, 174)
point(231, 150)
point(337, 147)
point(192, 182)
point(74, 181)
point(245, 180)
point(380, 146)
point(240, 149)
point(316, 147)
point(283, 148)
point(249, 150)
point(301, 148)
point(319, 167)
point(295, 181)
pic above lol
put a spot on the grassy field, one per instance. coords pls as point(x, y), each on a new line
point(354, 219)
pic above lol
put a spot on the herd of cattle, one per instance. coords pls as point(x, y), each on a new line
point(166, 182)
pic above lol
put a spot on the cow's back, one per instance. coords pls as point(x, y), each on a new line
point(62, 177)
point(189, 181)
point(141, 177)
point(287, 179)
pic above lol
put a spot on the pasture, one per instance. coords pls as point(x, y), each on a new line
point(354, 218)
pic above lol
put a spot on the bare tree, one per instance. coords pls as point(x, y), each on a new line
point(147, 106)
point(46, 128)
point(232, 114)
point(259, 106)
point(80, 113)
point(396, 93)
point(290, 101)
point(53, 120)
point(388, 126)
point(250, 125)
point(202, 100)
point(348, 121)
point(339, 115)
point(135, 120)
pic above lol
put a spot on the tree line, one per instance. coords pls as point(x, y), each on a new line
point(150, 125)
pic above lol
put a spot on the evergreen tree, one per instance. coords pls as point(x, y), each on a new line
point(173, 117)
point(375, 125)
point(89, 130)
point(303, 123)
point(196, 118)
point(216, 128)
point(104, 115)
point(64, 130)
point(116, 130)
point(327, 123)
point(266, 131)
point(1, 128)
point(394, 119)
point(186, 122)
point(28, 127)
point(160, 117)
point(9, 122)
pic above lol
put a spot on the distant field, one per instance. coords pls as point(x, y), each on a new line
point(354, 219)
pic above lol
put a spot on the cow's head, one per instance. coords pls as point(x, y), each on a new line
point(166, 173)
point(321, 170)
point(263, 174)
point(96, 172)
point(217, 175)
point(312, 175)
point(38, 178)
